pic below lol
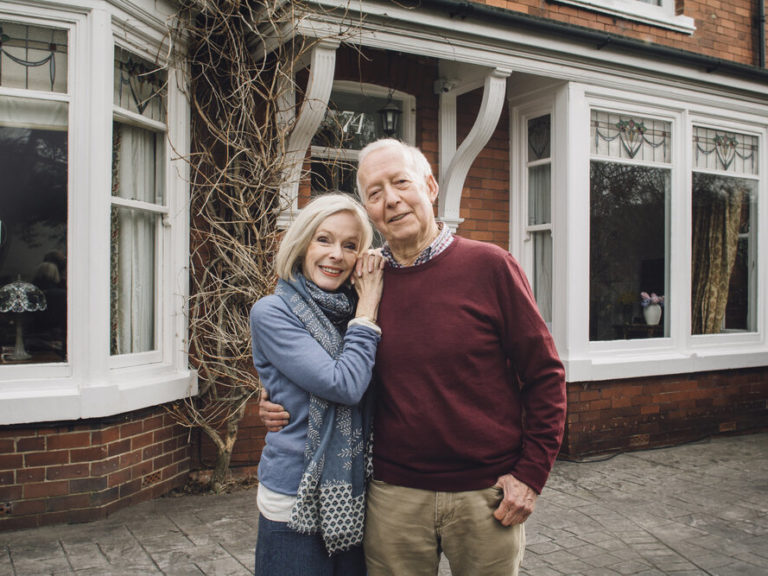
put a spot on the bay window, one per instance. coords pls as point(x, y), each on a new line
point(93, 211)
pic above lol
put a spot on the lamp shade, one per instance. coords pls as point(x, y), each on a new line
point(20, 296)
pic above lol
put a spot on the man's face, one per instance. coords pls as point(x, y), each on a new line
point(397, 198)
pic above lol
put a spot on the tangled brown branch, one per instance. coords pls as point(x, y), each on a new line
point(236, 168)
point(242, 57)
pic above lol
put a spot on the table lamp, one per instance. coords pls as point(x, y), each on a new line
point(19, 297)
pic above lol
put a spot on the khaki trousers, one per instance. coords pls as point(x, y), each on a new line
point(406, 529)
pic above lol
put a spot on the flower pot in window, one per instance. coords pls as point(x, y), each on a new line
point(652, 314)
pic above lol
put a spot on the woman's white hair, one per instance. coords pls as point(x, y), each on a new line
point(299, 234)
point(410, 153)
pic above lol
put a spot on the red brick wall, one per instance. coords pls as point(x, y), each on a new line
point(723, 29)
point(84, 470)
point(658, 411)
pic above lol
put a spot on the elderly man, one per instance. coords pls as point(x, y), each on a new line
point(470, 392)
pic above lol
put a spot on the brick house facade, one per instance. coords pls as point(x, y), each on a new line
point(476, 82)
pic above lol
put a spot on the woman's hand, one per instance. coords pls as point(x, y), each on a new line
point(369, 282)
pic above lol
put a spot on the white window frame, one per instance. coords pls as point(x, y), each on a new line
point(521, 232)
point(679, 352)
point(163, 232)
point(638, 111)
point(660, 16)
point(758, 231)
point(91, 383)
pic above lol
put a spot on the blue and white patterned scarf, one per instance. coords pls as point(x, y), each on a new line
point(331, 495)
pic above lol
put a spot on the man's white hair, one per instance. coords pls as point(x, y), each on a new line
point(410, 153)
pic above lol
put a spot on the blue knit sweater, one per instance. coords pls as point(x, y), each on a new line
point(291, 364)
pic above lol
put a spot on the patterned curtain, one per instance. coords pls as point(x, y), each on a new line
point(114, 286)
point(717, 206)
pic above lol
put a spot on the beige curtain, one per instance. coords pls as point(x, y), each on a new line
point(716, 223)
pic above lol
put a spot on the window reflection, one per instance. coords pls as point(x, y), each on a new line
point(627, 247)
point(33, 237)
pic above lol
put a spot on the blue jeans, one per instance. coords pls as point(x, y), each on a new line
point(281, 551)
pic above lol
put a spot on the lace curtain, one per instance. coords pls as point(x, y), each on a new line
point(133, 242)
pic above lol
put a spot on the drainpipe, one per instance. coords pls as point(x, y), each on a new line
point(761, 33)
point(463, 9)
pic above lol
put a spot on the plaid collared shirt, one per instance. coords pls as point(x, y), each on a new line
point(443, 240)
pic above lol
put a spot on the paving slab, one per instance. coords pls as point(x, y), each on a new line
point(698, 509)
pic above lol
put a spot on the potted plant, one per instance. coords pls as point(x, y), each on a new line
point(652, 305)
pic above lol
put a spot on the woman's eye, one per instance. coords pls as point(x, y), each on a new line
point(322, 239)
point(351, 246)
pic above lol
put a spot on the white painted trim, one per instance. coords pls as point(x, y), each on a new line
point(659, 16)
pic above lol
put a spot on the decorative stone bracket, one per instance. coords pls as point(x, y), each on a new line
point(458, 162)
point(318, 92)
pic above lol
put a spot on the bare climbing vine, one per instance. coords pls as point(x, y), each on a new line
point(236, 167)
point(242, 57)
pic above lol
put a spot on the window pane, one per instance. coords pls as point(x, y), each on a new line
point(627, 137)
point(539, 138)
point(33, 235)
point(539, 191)
point(628, 248)
point(352, 121)
point(33, 58)
point(136, 158)
point(333, 176)
point(724, 151)
point(140, 85)
point(542, 273)
point(137, 164)
point(724, 258)
point(133, 281)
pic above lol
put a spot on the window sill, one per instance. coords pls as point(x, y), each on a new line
point(661, 360)
point(637, 12)
point(46, 401)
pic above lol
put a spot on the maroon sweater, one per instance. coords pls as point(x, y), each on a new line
point(464, 355)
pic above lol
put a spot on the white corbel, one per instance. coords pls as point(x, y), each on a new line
point(318, 92)
point(458, 164)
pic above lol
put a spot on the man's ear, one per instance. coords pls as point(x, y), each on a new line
point(432, 188)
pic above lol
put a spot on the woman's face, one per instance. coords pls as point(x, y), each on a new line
point(332, 251)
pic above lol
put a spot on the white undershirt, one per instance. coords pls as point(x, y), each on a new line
point(273, 505)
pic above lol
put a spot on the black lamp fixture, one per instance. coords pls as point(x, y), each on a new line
point(390, 117)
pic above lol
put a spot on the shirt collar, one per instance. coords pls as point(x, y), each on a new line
point(440, 243)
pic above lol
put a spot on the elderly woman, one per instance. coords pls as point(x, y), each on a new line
point(314, 345)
